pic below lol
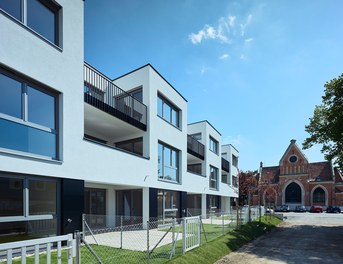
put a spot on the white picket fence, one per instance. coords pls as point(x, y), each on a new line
point(34, 247)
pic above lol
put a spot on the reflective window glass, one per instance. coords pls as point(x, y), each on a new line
point(41, 19)
point(12, 7)
point(41, 108)
point(168, 112)
point(11, 197)
point(28, 139)
point(42, 197)
point(11, 94)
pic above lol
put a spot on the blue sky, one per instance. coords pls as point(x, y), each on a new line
point(254, 69)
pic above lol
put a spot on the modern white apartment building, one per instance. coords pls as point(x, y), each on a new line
point(74, 141)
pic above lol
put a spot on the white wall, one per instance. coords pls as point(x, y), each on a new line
point(60, 69)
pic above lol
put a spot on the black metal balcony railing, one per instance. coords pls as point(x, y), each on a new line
point(225, 165)
point(195, 148)
point(102, 93)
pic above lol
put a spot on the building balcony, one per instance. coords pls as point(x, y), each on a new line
point(112, 117)
point(195, 148)
point(100, 92)
point(225, 165)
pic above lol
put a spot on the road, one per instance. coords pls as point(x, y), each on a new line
point(301, 238)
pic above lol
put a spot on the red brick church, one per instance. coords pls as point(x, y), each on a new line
point(296, 181)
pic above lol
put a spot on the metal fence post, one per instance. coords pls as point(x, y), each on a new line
point(173, 230)
point(237, 221)
point(121, 232)
point(147, 242)
point(184, 236)
point(223, 223)
point(83, 222)
point(77, 237)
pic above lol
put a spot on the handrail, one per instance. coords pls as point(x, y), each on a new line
point(225, 165)
point(102, 93)
point(195, 147)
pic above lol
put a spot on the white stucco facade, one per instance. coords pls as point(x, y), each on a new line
point(91, 143)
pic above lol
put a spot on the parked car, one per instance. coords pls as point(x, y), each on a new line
point(316, 209)
point(333, 209)
point(300, 209)
point(283, 208)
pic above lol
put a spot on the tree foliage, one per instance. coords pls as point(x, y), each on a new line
point(247, 184)
point(326, 125)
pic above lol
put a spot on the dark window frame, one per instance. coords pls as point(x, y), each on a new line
point(54, 7)
point(172, 107)
point(161, 174)
point(24, 120)
point(26, 216)
point(214, 177)
point(213, 145)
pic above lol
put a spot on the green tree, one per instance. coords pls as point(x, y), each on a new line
point(326, 125)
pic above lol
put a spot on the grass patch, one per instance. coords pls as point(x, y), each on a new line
point(221, 246)
point(218, 245)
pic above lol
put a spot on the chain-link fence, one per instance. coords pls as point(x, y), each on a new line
point(119, 239)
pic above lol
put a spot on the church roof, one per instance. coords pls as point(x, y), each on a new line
point(320, 171)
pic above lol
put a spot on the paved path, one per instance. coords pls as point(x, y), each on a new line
point(301, 238)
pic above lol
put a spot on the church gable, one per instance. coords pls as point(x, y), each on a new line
point(293, 160)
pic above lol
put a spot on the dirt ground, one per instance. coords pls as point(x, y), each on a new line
point(301, 238)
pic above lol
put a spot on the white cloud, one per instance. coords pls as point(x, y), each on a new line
point(231, 20)
point(248, 40)
point(224, 56)
point(224, 31)
point(209, 32)
point(243, 26)
point(242, 57)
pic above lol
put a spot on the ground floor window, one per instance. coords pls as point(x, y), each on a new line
point(194, 204)
point(28, 205)
point(95, 207)
point(213, 202)
point(129, 206)
point(168, 204)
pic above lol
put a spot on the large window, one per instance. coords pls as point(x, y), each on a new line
point(213, 178)
point(27, 117)
point(168, 163)
point(168, 111)
point(293, 193)
point(41, 16)
point(213, 145)
point(22, 198)
point(234, 181)
point(168, 205)
point(225, 178)
point(235, 161)
point(195, 168)
point(319, 195)
point(28, 206)
point(133, 145)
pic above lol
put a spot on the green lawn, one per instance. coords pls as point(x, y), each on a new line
point(217, 246)
point(221, 246)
